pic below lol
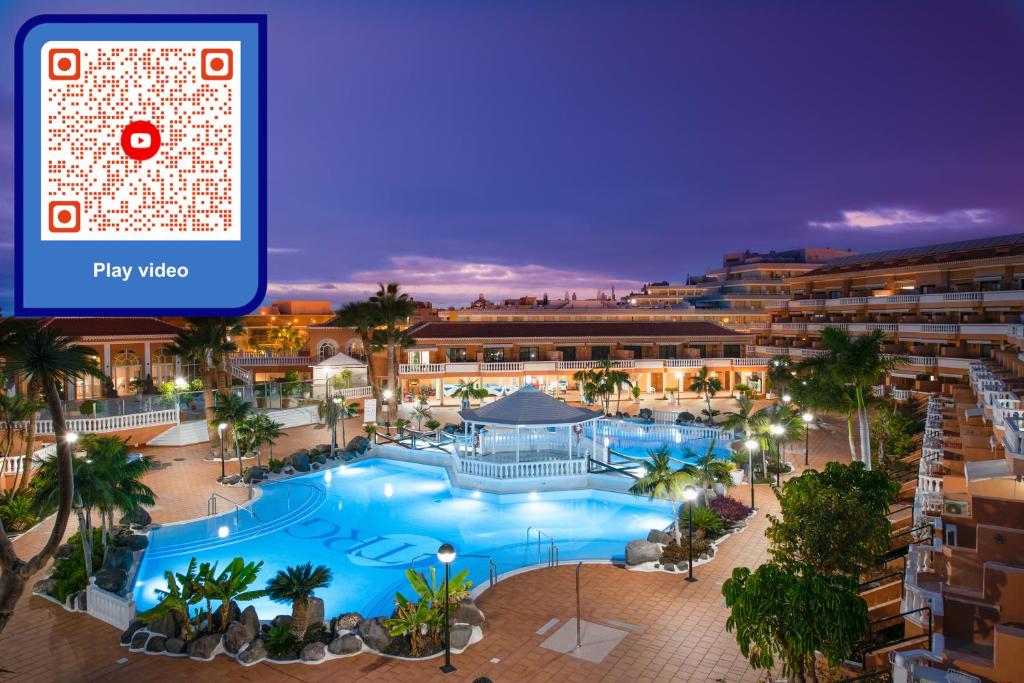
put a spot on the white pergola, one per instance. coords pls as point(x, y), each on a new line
point(528, 421)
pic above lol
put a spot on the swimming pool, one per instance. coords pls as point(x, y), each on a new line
point(372, 520)
point(635, 439)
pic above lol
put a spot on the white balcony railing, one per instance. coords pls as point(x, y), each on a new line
point(113, 423)
point(501, 367)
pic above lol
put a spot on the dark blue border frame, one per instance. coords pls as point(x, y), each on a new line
point(19, 43)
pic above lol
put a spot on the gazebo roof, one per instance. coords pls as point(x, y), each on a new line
point(529, 407)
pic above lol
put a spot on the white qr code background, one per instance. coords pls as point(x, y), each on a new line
point(140, 140)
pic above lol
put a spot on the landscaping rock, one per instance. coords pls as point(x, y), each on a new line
point(118, 557)
point(285, 619)
point(315, 466)
point(460, 635)
point(237, 637)
point(81, 601)
point(44, 586)
point(316, 612)
point(468, 613)
point(111, 580)
point(375, 634)
point(126, 636)
point(256, 651)
point(323, 448)
point(156, 644)
point(64, 551)
point(254, 474)
point(639, 552)
point(251, 620)
point(289, 470)
point(203, 648)
point(658, 536)
point(358, 445)
point(234, 614)
point(300, 461)
point(313, 652)
point(175, 646)
point(683, 566)
point(138, 642)
point(167, 625)
point(138, 518)
point(322, 459)
point(133, 542)
point(346, 644)
point(349, 455)
point(231, 480)
point(349, 621)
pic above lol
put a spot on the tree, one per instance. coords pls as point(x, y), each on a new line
point(233, 585)
point(739, 420)
point(335, 410)
point(297, 585)
point(790, 612)
point(600, 382)
point(821, 394)
point(661, 482)
point(288, 338)
point(468, 389)
point(773, 426)
point(266, 430)
point(780, 374)
point(232, 410)
point(16, 412)
point(709, 469)
point(361, 316)
point(393, 309)
point(892, 432)
point(835, 520)
point(707, 385)
point(42, 357)
point(420, 413)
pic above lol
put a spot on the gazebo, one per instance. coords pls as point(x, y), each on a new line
point(528, 426)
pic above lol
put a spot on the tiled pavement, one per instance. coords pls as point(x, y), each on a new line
point(678, 629)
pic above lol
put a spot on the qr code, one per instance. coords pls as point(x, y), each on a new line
point(140, 140)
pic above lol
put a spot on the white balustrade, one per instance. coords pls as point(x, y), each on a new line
point(523, 470)
point(116, 610)
point(112, 423)
point(501, 367)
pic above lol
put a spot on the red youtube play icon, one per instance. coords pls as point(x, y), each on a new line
point(140, 140)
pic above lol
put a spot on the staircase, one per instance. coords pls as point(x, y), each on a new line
point(193, 432)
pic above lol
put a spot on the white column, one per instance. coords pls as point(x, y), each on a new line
point(147, 370)
point(106, 359)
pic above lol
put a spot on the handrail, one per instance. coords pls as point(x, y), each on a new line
point(211, 507)
point(866, 585)
point(552, 547)
point(492, 566)
point(605, 467)
point(881, 646)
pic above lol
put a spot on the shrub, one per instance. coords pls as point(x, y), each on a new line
point(730, 509)
point(675, 553)
point(69, 573)
point(281, 643)
point(275, 464)
point(16, 510)
point(704, 519)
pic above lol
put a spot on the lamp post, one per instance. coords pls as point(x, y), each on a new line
point(690, 495)
point(777, 431)
point(446, 554)
point(179, 385)
point(387, 409)
point(751, 445)
point(808, 418)
point(220, 432)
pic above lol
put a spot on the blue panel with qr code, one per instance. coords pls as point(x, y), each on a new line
point(140, 165)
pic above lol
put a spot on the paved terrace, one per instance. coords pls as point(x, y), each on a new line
point(676, 630)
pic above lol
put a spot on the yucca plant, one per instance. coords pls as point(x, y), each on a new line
point(296, 585)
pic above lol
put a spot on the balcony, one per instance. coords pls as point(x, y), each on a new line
point(474, 369)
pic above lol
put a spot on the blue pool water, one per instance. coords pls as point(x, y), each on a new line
point(372, 520)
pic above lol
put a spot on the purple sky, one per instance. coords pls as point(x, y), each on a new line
point(511, 148)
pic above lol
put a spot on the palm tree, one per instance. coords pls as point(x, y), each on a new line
point(468, 389)
point(269, 430)
point(334, 410)
point(233, 585)
point(232, 410)
point(297, 585)
point(710, 470)
point(361, 316)
point(780, 374)
point(421, 413)
point(773, 426)
point(288, 338)
point(739, 420)
point(619, 379)
point(42, 357)
point(16, 412)
point(393, 309)
point(819, 394)
point(600, 382)
point(661, 482)
point(708, 385)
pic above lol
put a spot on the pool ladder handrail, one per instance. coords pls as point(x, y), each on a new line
point(211, 507)
point(552, 546)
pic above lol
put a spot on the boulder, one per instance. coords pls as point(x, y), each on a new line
point(204, 646)
point(118, 557)
point(349, 621)
point(658, 536)
point(44, 586)
point(138, 641)
point(349, 455)
point(251, 620)
point(167, 625)
point(282, 619)
point(254, 474)
point(468, 613)
point(323, 448)
point(256, 651)
point(133, 542)
point(460, 635)
point(300, 461)
point(64, 551)
point(316, 612)
point(375, 634)
point(346, 644)
point(639, 552)
point(315, 466)
point(237, 637)
point(321, 459)
point(234, 614)
point(175, 646)
point(138, 518)
point(111, 580)
point(231, 479)
point(313, 652)
point(126, 636)
point(358, 445)
point(156, 644)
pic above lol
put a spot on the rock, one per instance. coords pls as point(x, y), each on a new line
point(358, 444)
point(111, 580)
point(231, 480)
point(657, 536)
point(156, 644)
point(315, 466)
point(313, 652)
point(175, 646)
point(133, 542)
point(81, 601)
point(349, 621)
point(289, 470)
point(64, 551)
point(346, 644)
point(323, 448)
point(138, 641)
point(669, 567)
point(203, 647)
point(316, 612)
point(138, 518)
point(256, 651)
point(375, 634)
point(683, 566)
point(300, 461)
point(254, 474)
point(282, 619)
point(460, 635)
point(322, 460)
point(468, 613)
point(638, 552)
point(166, 625)
point(118, 557)
point(234, 614)
point(251, 620)
point(126, 636)
point(237, 637)
point(349, 455)
point(44, 586)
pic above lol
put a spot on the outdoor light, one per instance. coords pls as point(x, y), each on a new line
point(71, 437)
point(752, 446)
point(220, 432)
point(690, 495)
point(786, 398)
point(222, 426)
point(476, 494)
point(180, 382)
point(808, 418)
point(777, 430)
point(223, 532)
point(388, 394)
point(389, 490)
point(446, 554)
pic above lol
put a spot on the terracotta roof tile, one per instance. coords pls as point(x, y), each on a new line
point(111, 327)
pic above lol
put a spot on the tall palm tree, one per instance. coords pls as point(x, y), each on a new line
point(232, 410)
point(45, 357)
point(780, 374)
point(335, 410)
point(600, 382)
point(393, 310)
point(661, 482)
point(773, 426)
point(123, 477)
point(297, 585)
point(707, 385)
point(709, 470)
point(288, 338)
point(820, 394)
point(362, 317)
point(468, 389)
point(739, 420)
point(269, 430)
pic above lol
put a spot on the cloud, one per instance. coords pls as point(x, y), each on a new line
point(448, 282)
point(873, 219)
